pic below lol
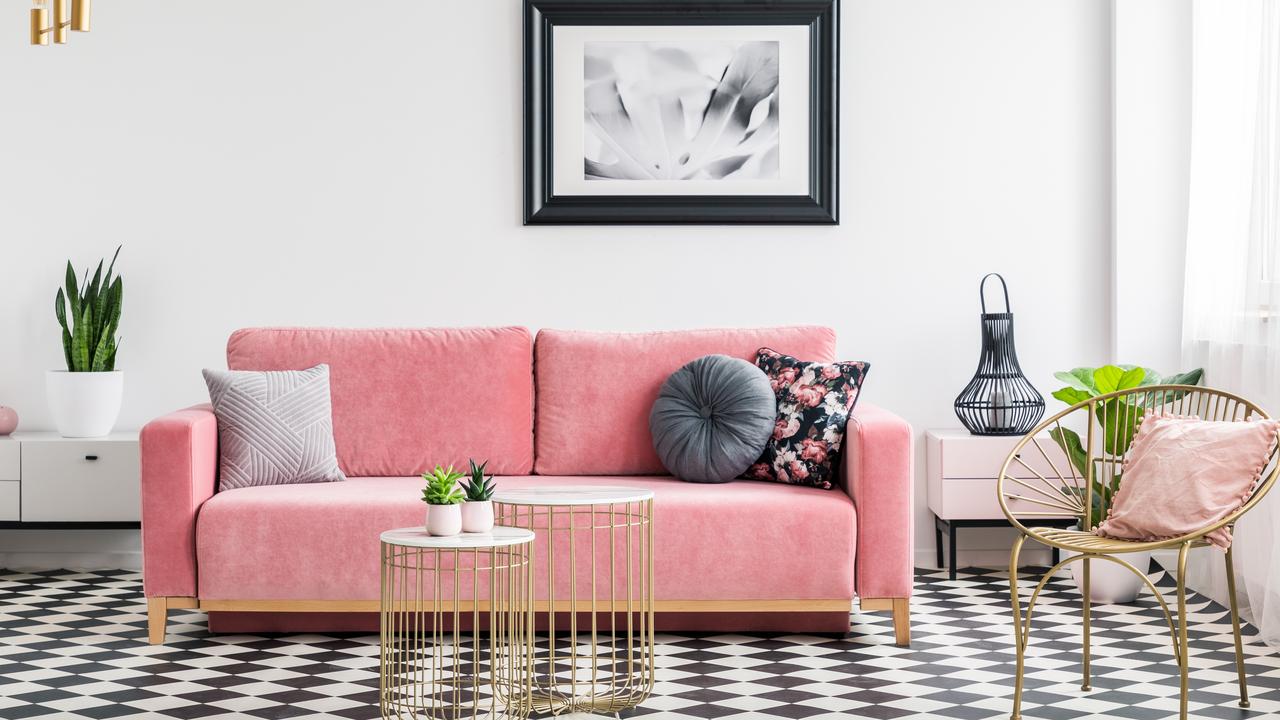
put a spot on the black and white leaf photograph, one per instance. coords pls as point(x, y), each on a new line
point(720, 113)
point(682, 110)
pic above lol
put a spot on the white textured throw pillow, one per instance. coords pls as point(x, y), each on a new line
point(275, 427)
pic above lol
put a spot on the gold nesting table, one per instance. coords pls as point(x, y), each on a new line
point(456, 625)
point(592, 571)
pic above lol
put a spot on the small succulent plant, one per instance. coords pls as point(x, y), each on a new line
point(442, 487)
point(480, 488)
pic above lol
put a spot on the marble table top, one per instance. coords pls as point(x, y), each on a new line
point(564, 495)
point(418, 537)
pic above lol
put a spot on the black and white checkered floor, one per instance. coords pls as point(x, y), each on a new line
point(72, 645)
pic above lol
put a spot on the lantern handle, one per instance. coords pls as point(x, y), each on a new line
point(982, 291)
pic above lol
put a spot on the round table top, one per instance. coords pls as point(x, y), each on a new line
point(418, 537)
point(572, 495)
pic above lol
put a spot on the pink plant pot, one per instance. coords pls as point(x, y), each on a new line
point(444, 520)
point(477, 516)
point(8, 420)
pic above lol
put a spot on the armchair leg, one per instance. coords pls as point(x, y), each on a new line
point(1235, 627)
point(1184, 651)
point(157, 616)
point(1086, 680)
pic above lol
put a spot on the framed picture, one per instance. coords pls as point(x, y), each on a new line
point(670, 112)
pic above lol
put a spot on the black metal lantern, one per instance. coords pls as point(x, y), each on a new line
point(999, 400)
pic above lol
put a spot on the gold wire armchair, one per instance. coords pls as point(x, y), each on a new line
point(1084, 489)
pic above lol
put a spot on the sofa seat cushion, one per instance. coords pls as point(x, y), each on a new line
point(743, 540)
point(406, 399)
point(595, 389)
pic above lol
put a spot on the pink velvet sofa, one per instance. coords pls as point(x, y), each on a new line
point(567, 408)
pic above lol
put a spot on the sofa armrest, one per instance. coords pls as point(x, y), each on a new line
point(878, 476)
point(179, 472)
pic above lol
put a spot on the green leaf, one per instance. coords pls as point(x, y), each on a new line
point(96, 282)
point(73, 292)
point(1070, 443)
point(80, 341)
point(1131, 378)
point(66, 347)
point(1119, 421)
point(114, 304)
point(1107, 378)
point(1076, 379)
point(1085, 375)
point(1150, 378)
point(1071, 396)
point(112, 267)
point(1191, 377)
point(110, 364)
point(102, 352)
point(60, 310)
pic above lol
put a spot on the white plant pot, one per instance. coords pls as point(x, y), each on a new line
point(84, 404)
point(444, 520)
point(477, 516)
point(1110, 582)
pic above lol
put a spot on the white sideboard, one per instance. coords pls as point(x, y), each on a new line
point(50, 481)
point(962, 470)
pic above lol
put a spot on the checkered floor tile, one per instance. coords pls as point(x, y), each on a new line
point(72, 645)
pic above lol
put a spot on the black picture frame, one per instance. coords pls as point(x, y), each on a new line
point(819, 207)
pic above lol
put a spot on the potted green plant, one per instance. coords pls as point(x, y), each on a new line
point(443, 499)
point(1118, 418)
point(477, 511)
point(85, 398)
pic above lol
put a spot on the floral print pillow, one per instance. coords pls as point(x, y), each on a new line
point(814, 402)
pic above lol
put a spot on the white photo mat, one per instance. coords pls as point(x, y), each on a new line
point(568, 106)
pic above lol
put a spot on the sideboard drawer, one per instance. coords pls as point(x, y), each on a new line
point(975, 499)
point(10, 459)
point(969, 456)
point(10, 492)
point(80, 481)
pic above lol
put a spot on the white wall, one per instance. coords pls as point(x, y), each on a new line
point(324, 163)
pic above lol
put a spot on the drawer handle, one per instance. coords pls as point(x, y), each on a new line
point(90, 457)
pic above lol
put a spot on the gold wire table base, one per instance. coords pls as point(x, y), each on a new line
point(594, 584)
point(456, 628)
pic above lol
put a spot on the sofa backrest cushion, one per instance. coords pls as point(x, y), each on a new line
point(595, 389)
point(407, 399)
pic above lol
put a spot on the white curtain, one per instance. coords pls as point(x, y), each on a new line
point(1231, 313)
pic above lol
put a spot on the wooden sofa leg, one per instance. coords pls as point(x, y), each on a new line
point(901, 609)
point(902, 621)
point(157, 616)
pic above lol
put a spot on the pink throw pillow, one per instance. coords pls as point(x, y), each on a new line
point(1184, 474)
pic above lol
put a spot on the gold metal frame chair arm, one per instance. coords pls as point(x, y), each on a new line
point(1226, 400)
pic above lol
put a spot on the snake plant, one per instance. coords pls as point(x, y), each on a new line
point(442, 487)
point(480, 488)
point(89, 317)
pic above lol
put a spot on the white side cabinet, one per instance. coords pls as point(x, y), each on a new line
point(962, 471)
point(47, 481)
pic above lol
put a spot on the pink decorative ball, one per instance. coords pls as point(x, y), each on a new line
point(8, 420)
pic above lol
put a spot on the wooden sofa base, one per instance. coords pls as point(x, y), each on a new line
point(672, 614)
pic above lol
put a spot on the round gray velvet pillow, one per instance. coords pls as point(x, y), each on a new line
point(712, 419)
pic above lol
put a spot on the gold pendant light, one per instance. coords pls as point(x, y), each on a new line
point(63, 21)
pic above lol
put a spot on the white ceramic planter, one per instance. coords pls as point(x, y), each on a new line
point(444, 520)
point(84, 404)
point(1109, 582)
point(477, 516)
